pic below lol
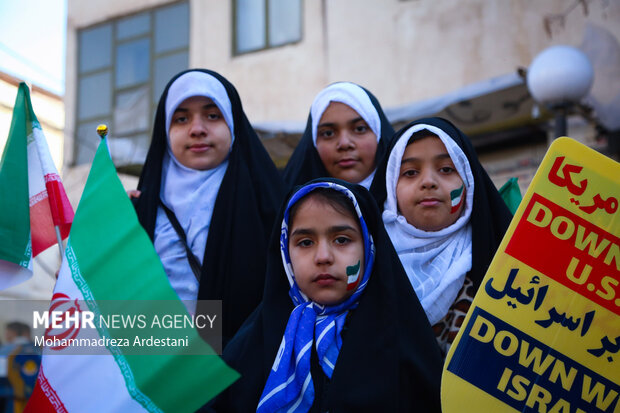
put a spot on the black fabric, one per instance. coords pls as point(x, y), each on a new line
point(490, 216)
point(244, 212)
point(305, 163)
point(389, 360)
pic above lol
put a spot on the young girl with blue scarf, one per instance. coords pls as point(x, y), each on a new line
point(339, 328)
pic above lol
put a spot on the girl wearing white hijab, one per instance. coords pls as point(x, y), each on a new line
point(208, 187)
point(444, 216)
point(346, 134)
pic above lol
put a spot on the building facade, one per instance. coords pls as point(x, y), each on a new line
point(464, 60)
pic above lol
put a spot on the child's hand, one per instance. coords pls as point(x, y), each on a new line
point(134, 193)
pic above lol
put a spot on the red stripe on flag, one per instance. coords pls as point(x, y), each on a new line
point(42, 230)
point(44, 399)
point(62, 212)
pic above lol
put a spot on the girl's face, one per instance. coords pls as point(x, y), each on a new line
point(345, 143)
point(199, 136)
point(326, 247)
point(426, 181)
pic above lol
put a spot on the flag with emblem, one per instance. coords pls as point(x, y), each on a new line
point(108, 257)
point(34, 209)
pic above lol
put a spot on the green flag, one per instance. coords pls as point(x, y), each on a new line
point(511, 194)
point(33, 201)
point(109, 260)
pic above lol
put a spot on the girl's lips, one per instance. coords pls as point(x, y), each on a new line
point(429, 202)
point(199, 148)
point(325, 279)
point(345, 163)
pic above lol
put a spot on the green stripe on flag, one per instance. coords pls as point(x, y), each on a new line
point(14, 207)
point(120, 359)
point(117, 261)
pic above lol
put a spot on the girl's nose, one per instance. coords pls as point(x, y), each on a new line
point(428, 179)
point(198, 128)
point(323, 253)
point(345, 141)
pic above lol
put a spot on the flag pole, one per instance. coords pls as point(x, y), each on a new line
point(59, 238)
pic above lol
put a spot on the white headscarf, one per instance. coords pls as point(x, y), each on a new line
point(189, 193)
point(353, 96)
point(435, 261)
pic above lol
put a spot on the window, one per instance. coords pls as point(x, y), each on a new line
point(123, 67)
point(262, 24)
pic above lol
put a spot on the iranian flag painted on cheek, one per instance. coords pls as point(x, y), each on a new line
point(457, 197)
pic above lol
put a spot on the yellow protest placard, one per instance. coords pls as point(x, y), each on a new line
point(543, 332)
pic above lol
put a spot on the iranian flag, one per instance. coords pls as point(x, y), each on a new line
point(110, 259)
point(33, 201)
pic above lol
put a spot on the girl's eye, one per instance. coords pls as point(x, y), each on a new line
point(446, 169)
point(342, 240)
point(304, 243)
point(213, 116)
point(326, 133)
point(180, 119)
point(361, 128)
point(410, 172)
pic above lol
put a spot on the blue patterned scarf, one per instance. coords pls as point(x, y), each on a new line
point(289, 387)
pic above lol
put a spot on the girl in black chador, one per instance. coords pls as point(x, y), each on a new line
point(444, 216)
point(208, 195)
point(339, 328)
point(346, 135)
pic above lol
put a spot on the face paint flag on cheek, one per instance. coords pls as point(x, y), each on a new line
point(353, 276)
point(457, 198)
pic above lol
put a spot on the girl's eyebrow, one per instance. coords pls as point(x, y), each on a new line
point(333, 124)
point(326, 125)
point(207, 106)
point(414, 159)
point(302, 231)
point(341, 228)
point(330, 230)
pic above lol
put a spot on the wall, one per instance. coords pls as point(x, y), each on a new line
point(402, 50)
point(47, 106)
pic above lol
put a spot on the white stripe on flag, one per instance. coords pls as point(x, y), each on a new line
point(85, 383)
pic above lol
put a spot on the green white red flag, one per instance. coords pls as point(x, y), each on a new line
point(110, 258)
point(32, 199)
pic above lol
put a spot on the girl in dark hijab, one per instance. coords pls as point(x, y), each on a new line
point(208, 195)
point(339, 328)
point(444, 216)
point(346, 134)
